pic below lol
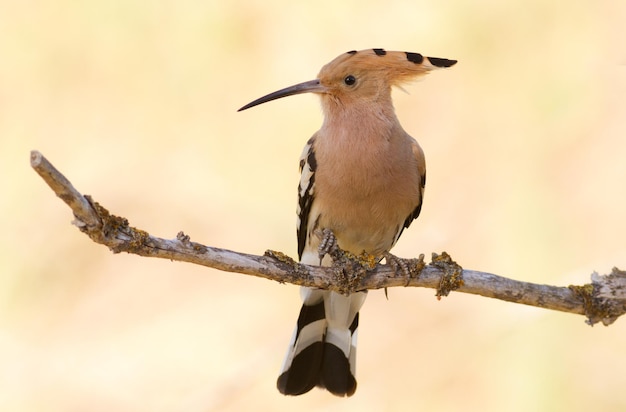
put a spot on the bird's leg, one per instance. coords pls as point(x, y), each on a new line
point(328, 245)
point(409, 268)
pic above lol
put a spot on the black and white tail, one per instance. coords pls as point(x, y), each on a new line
point(322, 351)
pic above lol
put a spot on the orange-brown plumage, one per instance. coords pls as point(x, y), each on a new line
point(362, 177)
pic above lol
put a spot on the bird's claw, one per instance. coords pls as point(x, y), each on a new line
point(409, 268)
point(328, 244)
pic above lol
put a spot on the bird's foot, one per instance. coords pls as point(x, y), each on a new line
point(409, 268)
point(350, 269)
point(328, 245)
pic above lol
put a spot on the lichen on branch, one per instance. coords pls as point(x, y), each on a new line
point(602, 300)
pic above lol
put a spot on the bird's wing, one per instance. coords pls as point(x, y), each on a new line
point(306, 192)
point(418, 153)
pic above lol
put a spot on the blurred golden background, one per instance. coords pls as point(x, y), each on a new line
point(135, 101)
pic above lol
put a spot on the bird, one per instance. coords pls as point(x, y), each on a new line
point(363, 179)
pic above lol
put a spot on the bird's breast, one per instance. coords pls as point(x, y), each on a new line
point(367, 188)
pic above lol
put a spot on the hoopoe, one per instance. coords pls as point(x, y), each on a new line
point(362, 177)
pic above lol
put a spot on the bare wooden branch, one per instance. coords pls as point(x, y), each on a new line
point(602, 300)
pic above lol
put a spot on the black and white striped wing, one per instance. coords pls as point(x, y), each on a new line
point(306, 193)
point(418, 153)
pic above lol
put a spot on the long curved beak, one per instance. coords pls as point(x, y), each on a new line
point(312, 86)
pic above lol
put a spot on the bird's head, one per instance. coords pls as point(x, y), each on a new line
point(364, 76)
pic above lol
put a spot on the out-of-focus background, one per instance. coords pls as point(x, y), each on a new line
point(135, 101)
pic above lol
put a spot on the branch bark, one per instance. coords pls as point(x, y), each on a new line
point(602, 300)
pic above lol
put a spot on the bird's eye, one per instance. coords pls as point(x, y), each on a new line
point(349, 80)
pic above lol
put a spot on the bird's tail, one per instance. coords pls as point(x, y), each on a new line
point(322, 351)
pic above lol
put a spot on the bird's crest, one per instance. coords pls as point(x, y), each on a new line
point(393, 67)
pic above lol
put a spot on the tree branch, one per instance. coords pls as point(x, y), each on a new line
point(602, 300)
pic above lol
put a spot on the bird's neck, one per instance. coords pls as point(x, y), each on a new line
point(368, 122)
